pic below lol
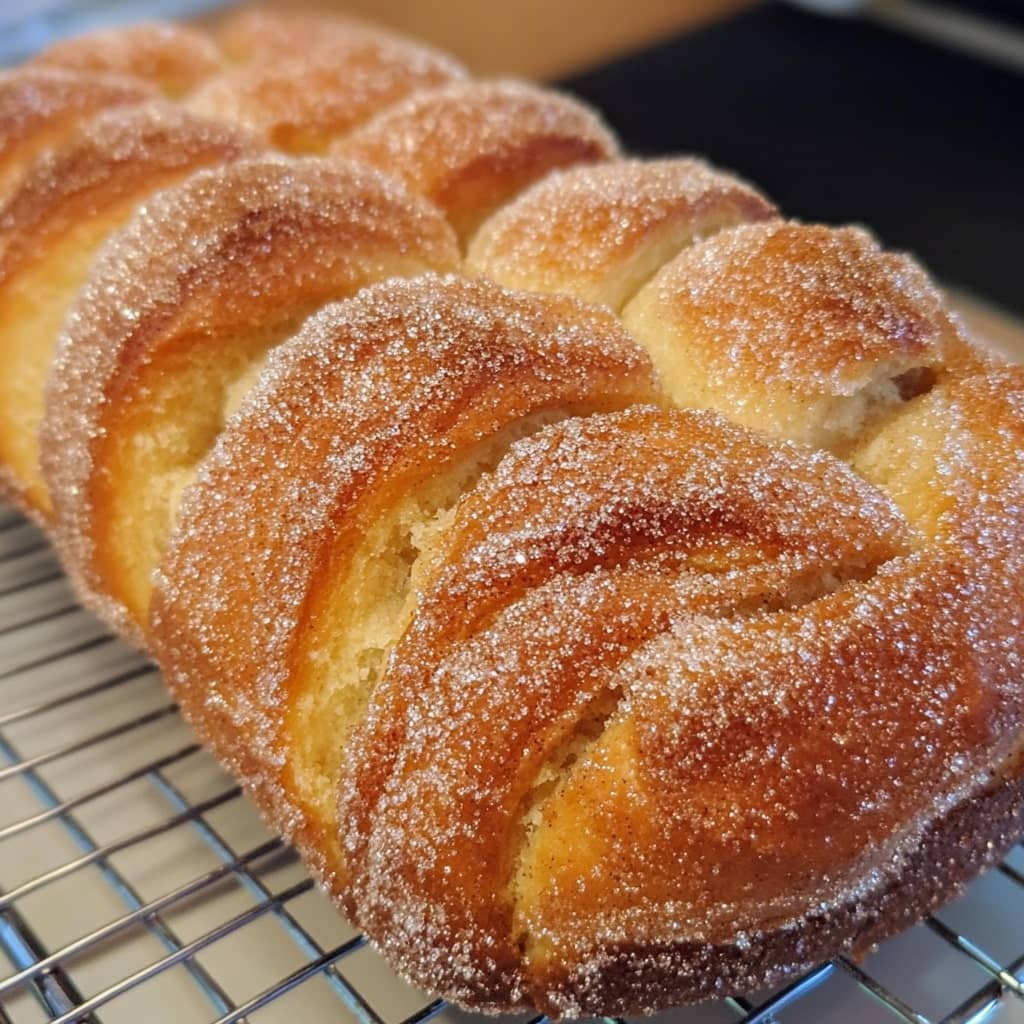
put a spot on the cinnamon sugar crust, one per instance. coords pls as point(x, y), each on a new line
point(600, 231)
point(50, 230)
point(41, 106)
point(389, 406)
point(803, 330)
point(304, 104)
point(172, 328)
point(174, 58)
point(472, 146)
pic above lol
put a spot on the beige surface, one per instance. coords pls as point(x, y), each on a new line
point(535, 38)
point(995, 328)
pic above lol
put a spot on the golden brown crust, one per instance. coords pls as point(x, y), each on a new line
point(302, 105)
point(716, 681)
point(174, 58)
point(975, 834)
point(206, 276)
point(67, 203)
point(674, 708)
point(803, 330)
point(120, 155)
point(470, 147)
point(374, 395)
point(599, 232)
point(872, 717)
point(589, 541)
point(40, 107)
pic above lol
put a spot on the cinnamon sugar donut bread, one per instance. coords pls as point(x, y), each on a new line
point(633, 618)
point(173, 327)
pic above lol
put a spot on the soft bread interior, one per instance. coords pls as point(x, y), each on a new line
point(901, 457)
point(370, 599)
point(155, 452)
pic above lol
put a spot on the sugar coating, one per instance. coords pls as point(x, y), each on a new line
point(158, 280)
point(121, 154)
point(173, 57)
point(66, 203)
point(781, 717)
point(373, 393)
point(471, 146)
point(808, 307)
point(305, 103)
point(588, 230)
point(40, 105)
point(699, 701)
point(808, 332)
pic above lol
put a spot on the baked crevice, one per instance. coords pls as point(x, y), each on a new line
point(175, 324)
point(601, 232)
point(586, 735)
point(591, 541)
point(355, 634)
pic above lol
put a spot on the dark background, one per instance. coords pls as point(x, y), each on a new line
point(842, 120)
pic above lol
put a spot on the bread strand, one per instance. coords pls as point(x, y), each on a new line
point(52, 154)
point(918, 382)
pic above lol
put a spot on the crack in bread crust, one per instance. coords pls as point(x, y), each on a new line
point(412, 377)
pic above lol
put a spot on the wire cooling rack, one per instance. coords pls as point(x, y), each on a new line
point(138, 885)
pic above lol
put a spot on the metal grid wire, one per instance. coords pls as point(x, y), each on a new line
point(137, 884)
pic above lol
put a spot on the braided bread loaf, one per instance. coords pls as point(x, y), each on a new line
point(613, 590)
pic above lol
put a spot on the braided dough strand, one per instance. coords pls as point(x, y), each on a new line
point(345, 462)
